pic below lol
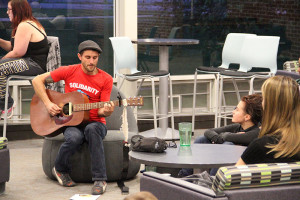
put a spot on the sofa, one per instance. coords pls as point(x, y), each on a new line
point(290, 69)
point(276, 181)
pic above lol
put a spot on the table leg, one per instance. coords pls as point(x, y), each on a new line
point(163, 131)
point(163, 87)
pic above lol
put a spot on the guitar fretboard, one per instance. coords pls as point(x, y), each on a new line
point(90, 106)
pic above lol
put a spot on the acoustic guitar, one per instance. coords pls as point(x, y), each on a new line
point(75, 110)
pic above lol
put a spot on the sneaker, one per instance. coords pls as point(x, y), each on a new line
point(10, 111)
point(99, 187)
point(63, 178)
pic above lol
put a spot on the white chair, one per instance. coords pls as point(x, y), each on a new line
point(259, 52)
point(53, 62)
point(230, 55)
point(125, 58)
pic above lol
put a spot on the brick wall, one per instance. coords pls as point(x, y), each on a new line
point(278, 12)
point(283, 14)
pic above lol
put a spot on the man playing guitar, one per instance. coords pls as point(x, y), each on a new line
point(96, 85)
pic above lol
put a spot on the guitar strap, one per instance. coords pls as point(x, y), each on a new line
point(124, 129)
point(124, 126)
point(121, 185)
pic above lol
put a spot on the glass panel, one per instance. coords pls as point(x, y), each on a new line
point(27, 93)
point(210, 21)
point(26, 96)
point(73, 22)
point(187, 101)
point(25, 109)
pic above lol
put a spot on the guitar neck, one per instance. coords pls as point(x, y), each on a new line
point(90, 106)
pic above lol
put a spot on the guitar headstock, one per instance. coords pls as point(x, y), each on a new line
point(135, 101)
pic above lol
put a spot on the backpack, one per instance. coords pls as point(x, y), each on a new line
point(148, 144)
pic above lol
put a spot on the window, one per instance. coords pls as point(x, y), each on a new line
point(210, 21)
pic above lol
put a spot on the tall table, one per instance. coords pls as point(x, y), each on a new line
point(196, 156)
point(164, 44)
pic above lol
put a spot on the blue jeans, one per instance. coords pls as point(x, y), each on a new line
point(201, 140)
point(93, 134)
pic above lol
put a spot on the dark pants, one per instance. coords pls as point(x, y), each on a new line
point(15, 66)
point(93, 134)
point(201, 140)
point(204, 140)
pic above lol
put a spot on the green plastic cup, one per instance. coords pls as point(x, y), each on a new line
point(185, 133)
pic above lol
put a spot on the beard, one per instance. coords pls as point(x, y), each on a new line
point(89, 68)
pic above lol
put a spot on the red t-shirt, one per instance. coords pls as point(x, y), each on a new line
point(97, 87)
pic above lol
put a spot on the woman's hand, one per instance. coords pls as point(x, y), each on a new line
point(240, 162)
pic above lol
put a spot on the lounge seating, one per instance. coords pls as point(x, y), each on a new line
point(4, 164)
point(274, 181)
point(113, 147)
point(290, 69)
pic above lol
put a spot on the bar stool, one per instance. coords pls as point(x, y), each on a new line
point(125, 58)
point(259, 52)
point(230, 55)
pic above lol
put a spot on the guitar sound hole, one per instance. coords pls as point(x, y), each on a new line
point(66, 109)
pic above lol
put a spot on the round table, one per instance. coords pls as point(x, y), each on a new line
point(195, 156)
point(164, 44)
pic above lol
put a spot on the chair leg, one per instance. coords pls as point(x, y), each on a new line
point(154, 106)
point(220, 98)
point(139, 87)
point(5, 107)
point(217, 90)
point(119, 88)
point(172, 108)
point(194, 101)
point(223, 106)
point(238, 96)
point(251, 83)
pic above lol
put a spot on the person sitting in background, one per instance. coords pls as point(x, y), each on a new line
point(27, 50)
point(246, 118)
point(279, 138)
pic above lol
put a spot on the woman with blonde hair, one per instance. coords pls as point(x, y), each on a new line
point(279, 138)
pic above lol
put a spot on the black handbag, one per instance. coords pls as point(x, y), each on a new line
point(148, 144)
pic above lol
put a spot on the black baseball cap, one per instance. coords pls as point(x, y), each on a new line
point(89, 45)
